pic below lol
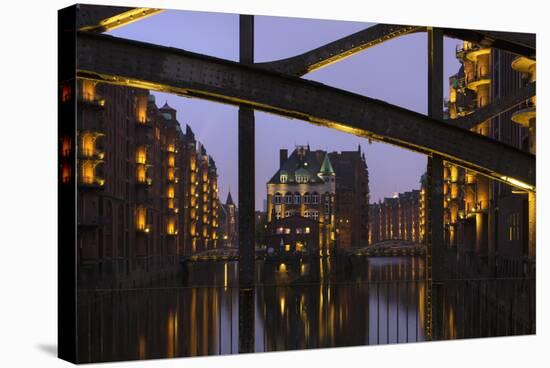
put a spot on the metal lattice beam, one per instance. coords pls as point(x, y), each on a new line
point(159, 68)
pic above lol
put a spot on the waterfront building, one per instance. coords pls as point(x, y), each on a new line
point(487, 218)
point(396, 218)
point(134, 191)
point(309, 184)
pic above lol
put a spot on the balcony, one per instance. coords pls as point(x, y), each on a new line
point(91, 182)
point(91, 99)
point(94, 154)
point(523, 64)
point(525, 114)
point(470, 51)
point(473, 81)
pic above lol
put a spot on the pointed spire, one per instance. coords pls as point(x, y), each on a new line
point(166, 106)
point(326, 166)
point(229, 200)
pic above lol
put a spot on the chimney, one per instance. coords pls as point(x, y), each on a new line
point(283, 156)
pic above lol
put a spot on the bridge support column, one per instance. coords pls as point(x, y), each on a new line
point(246, 199)
point(435, 267)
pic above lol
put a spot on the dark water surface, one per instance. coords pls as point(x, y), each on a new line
point(318, 304)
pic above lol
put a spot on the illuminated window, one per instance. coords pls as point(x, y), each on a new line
point(284, 178)
point(88, 172)
point(288, 198)
point(66, 173)
point(287, 247)
point(141, 109)
point(141, 173)
point(307, 230)
point(279, 230)
point(88, 143)
point(315, 198)
point(171, 160)
point(171, 175)
point(141, 155)
point(287, 230)
point(171, 227)
point(170, 191)
point(88, 90)
point(65, 92)
point(65, 146)
point(513, 226)
point(141, 218)
point(299, 230)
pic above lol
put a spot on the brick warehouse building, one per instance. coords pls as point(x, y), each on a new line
point(398, 217)
point(147, 192)
point(485, 218)
point(329, 188)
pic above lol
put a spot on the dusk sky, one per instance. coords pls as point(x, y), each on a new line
point(395, 72)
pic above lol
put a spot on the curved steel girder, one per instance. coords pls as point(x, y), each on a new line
point(159, 68)
point(101, 18)
point(518, 43)
point(495, 108)
point(338, 50)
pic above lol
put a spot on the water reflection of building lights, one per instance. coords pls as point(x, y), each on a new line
point(282, 304)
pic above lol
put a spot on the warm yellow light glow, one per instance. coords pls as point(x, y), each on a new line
point(66, 173)
point(141, 155)
point(518, 183)
point(170, 192)
point(122, 19)
point(88, 172)
point(171, 226)
point(141, 109)
point(141, 218)
point(88, 90)
point(88, 143)
point(66, 146)
point(140, 173)
point(171, 160)
point(287, 247)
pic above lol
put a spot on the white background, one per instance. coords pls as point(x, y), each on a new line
point(28, 204)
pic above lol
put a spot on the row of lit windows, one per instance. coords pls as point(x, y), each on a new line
point(287, 230)
point(289, 198)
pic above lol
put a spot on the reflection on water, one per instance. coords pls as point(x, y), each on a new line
point(297, 306)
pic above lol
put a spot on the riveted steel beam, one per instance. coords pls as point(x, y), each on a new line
point(100, 18)
point(340, 49)
point(131, 63)
point(518, 43)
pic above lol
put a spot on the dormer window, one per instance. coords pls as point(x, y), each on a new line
point(302, 178)
point(284, 178)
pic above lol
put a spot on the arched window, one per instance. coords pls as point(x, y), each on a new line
point(307, 198)
point(284, 178)
point(297, 198)
point(277, 198)
point(315, 198)
point(288, 198)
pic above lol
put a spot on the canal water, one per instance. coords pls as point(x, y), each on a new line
point(318, 304)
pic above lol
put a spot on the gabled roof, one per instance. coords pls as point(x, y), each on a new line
point(302, 161)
